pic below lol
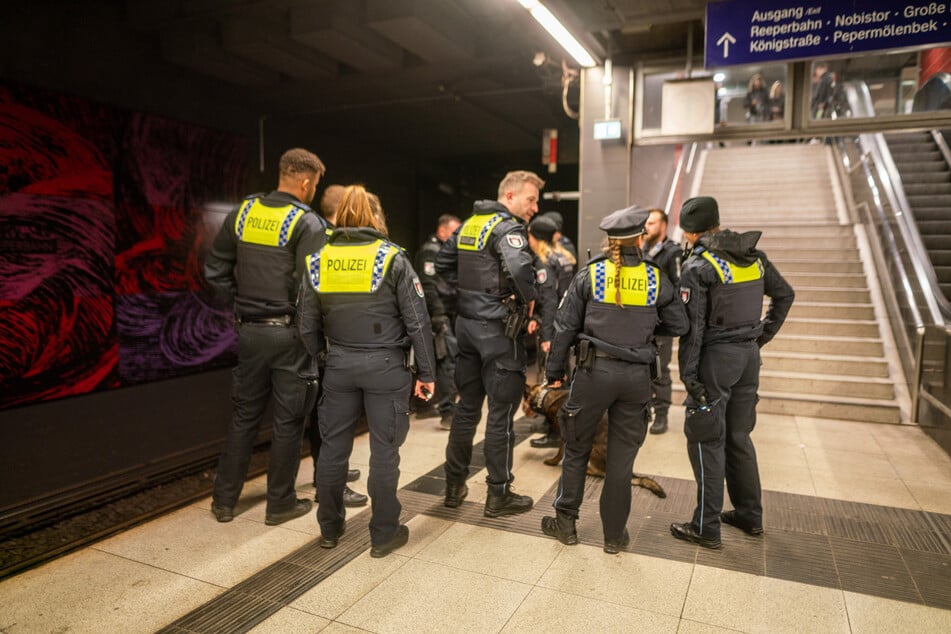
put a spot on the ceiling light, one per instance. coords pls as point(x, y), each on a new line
point(557, 30)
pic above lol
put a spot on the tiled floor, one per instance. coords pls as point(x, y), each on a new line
point(488, 576)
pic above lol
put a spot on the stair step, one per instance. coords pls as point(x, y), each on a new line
point(917, 166)
point(938, 243)
point(831, 327)
point(928, 189)
point(935, 227)
point(817, 241)
point(940, 257)
point(826, 384)
point(839, 295)
point(853, 346)
point(915, 148)
point(932, 155)
point(866, 410)
point(817, 266)
point(782, 253)
point(918, 178)
point(926, 213)
point(828, 310)
point(928, 200)
point(808, 230)
point(824, 280)
point(844, 365)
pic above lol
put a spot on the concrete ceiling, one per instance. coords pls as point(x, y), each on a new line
point(437, 78)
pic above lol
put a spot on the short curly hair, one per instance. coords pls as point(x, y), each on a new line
point(298, 161)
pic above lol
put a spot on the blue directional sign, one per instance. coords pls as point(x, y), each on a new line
point(751, 31)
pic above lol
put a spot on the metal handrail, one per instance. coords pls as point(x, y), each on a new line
point(875, 146)
point(684, 165)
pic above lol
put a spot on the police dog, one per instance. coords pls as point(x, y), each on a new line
point(548, 402)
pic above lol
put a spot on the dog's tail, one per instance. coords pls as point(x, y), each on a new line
point(648, 483)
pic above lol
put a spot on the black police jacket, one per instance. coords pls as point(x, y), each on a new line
point(392, 316)
point(273, 272)
point(666, 254)
point(507, 247)
point(698, 277)
point(440, 296)
point(666, 317)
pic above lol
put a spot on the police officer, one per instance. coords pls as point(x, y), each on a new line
point(441, 302)
point(329, 202)
point(361, 295)
point(611, 313)
point(665, 253)
point(554, 269)
point(722, 284)
point(489, 261)
point(257, 259)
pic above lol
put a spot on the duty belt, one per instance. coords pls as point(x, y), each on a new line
point(606, 355)
point(281, 320)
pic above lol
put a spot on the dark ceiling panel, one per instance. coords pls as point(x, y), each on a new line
point(338, 30)
point(267, 42)
point(432, 32)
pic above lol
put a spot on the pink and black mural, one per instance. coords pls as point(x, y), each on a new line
point(102, 231)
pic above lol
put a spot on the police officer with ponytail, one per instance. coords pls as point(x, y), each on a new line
point(722, 284)
point(362, 299)
point(256, 260)
point(613, 309)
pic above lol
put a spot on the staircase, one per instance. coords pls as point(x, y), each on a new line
point(828, 360)
point(927, 182)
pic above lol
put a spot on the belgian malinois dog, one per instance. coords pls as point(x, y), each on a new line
point(548, 402)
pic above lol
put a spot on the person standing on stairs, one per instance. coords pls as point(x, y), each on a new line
point(722, 283)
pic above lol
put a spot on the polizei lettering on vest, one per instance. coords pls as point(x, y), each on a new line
point(628, 283)
point(263, 224)
point(347, 264)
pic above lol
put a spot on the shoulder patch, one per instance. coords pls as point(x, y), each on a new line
point(684, 294)
point(541, 276)
point(429, 268)
point(418, 286)
point(515, 240)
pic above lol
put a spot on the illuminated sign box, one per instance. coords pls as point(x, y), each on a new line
point(607, 129)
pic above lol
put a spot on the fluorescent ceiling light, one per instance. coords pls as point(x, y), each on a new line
point(559, 32)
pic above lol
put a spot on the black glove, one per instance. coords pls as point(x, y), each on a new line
point(697, 390)
point(440, 323)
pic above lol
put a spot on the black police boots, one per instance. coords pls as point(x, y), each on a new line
point(687, 533)
point(507, 504)
point(561, 527)
point(455, 494)
point(614, 546)
point(301, 507)
point(660, 423)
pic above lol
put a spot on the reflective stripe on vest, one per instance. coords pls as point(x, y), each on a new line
point(732, 273)
point(352, 268)
point(475, 231)
point(257, 223)
point(639, 284)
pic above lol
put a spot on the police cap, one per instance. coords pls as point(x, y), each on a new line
point(542, 228)
point(555, 217)
point(699, 214)
point(625, 223)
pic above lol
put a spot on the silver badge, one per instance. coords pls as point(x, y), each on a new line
point(429, 268)
point(541, 276)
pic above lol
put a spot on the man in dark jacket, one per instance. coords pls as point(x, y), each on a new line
point(722, 284)
point(665, 253)
point(440, 301)
point(257, 259)
point(489, 261)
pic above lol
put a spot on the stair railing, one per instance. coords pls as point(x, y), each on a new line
point(919, 312)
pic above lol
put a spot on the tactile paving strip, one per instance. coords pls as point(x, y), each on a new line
point(893, 553)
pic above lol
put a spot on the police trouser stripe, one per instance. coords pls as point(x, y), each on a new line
point(703, 482)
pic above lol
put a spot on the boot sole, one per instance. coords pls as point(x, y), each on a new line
point(505, 512)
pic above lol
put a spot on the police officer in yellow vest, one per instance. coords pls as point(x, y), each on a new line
point(362, 297)
point(257, 259)
point(722, 283)
point(611, 313)
point(489, 261)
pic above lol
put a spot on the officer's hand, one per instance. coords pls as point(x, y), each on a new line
point(697, 390)
point(424, 390)
point(532, 326)
point(555, 383)
point(440, 323)
point(546, 346)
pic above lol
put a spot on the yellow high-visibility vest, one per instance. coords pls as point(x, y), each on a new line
point(350, 268)
point(639, 284)
point(257, 223)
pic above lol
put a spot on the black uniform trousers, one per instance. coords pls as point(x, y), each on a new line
point(445, 392)
point(358, 379)
point(269, 360)
point(662, 389)
point(730, 372)
point(489, 365)
point(623, 390)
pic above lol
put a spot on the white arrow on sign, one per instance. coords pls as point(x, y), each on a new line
point(725, 40)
